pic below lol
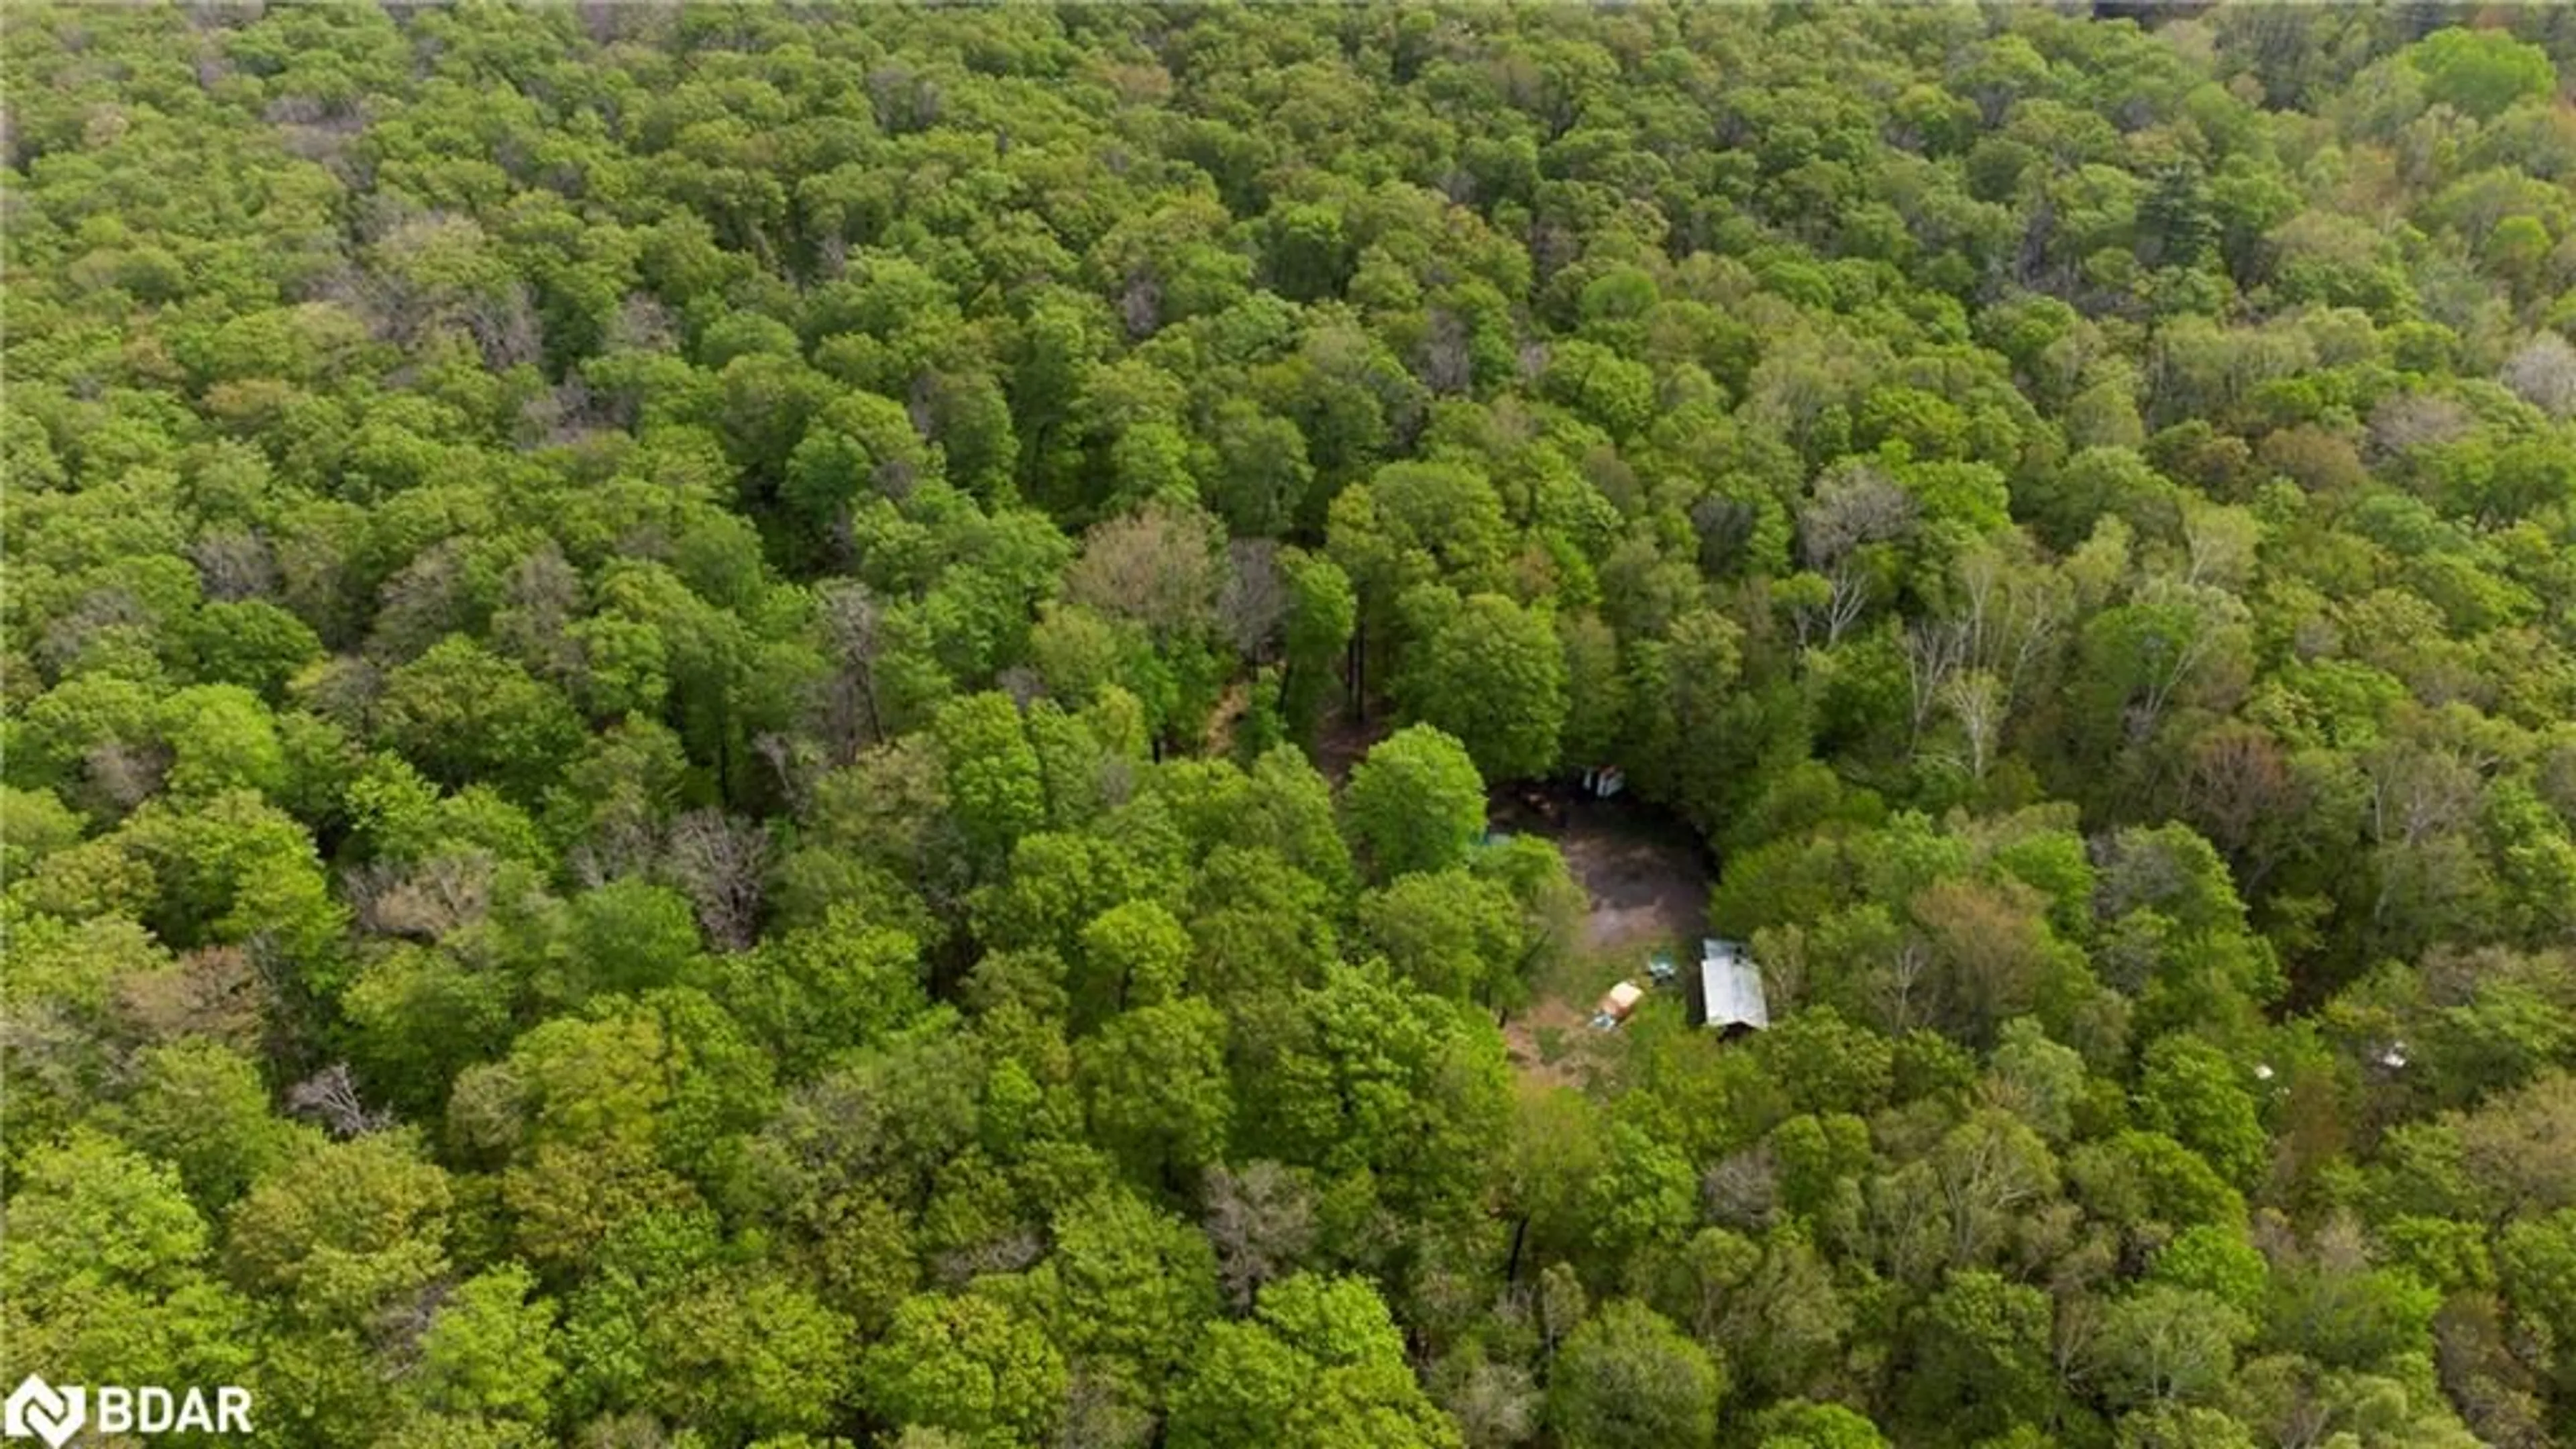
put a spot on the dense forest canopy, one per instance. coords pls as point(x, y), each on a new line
point(771, 724)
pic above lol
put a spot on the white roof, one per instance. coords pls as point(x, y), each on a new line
point(1731, 986)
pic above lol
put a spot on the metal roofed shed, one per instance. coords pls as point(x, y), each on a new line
point(1731, 996)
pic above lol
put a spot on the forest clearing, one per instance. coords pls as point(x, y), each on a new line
point(1645, 888)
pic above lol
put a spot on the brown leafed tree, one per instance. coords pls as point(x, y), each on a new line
point(424, 901)
point(1988, 951)
point(1157, 566)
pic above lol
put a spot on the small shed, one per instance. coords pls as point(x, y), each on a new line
point(1615, 1004)
point(1731, 997)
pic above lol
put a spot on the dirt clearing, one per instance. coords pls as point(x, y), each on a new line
point(1646, 874)
point(1646, 878)
point(1549, 1043)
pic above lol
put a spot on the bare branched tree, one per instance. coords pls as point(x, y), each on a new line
point(1011, 1250)
point(1448, 364)
point(318, 131)
point(507, 328)
point(625, 844)
point(1023, 684)
point(795, 759)
point(1254, 600)
point(2219, 544)
point(1849, 595)
point(634, 1429)
point(2542, 372)
point(217, 992)
point(2237, 779)
point(1934, 650)
point(1977, 701)
point(422, 604)
point(2404, 421)
point(539, 601)
point(1899, 986)
point(330, 1096)
point(1140, 305)
point(644, 323)
point(2417, 793)
point(235, 564)
point(1742, 1191)
point(1853, 508)
point(719, 862)
point(1495, 1404)
point(1099, 1414)
point(2189, 624)
point(1260, 1219)
point(851, 619)
point(1985, 1180)
point(423, 902)
point(2013, 616)
point(99, 611)
point(126, 774)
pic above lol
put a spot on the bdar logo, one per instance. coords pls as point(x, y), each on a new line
point(37, 1409)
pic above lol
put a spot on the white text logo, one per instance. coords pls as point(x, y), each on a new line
point(38, 1410)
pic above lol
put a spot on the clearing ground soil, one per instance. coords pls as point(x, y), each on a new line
point(1549, 1043)
point(1646, 874)
point(1646, 877)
